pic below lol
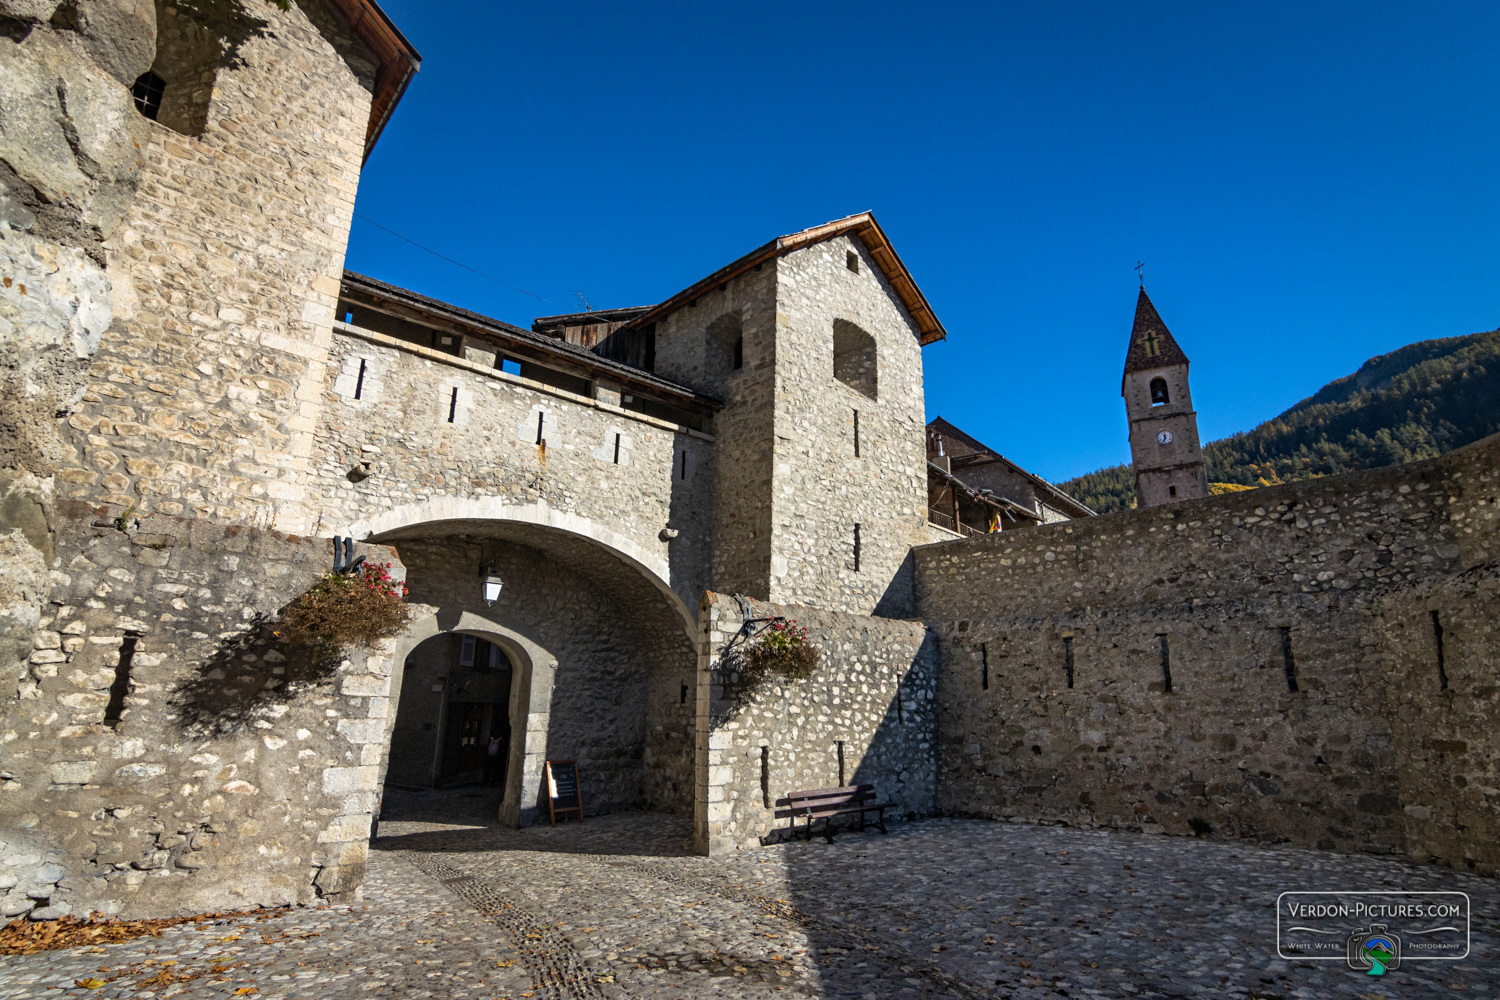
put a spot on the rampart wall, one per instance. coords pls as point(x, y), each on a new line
point(163, 754)
point(389, 404)
point(1057, 641)
point(866, 715)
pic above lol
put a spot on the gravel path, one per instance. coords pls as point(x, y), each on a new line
point(616, 907)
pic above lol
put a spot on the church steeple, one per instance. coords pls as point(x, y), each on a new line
point(1164, 448)
point(1151, 343)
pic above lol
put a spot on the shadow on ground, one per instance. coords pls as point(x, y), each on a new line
point(465, 820)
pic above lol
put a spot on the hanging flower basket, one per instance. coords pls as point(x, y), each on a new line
point(341, 610)
point(782, 649)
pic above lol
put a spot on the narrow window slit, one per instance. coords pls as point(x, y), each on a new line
point(765, 776)
point(683, 473)
point(900, 709)
point(840, 745)
point(1437, 635)
point(856, 548)
point(1287, 661)
point(540, 423)
point(453, 405)
point(1166, 664)
point(359, 383)
point(617, 448)
point(856, 433)
point(984, 666)
point(115, 710)
point(739, 353)
point(683, 699)
point(1068, 658)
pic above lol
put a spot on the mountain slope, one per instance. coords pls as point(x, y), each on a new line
point(1413, 403)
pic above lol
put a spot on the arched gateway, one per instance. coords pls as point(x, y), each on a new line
point(586, 654)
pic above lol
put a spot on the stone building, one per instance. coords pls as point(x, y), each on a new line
point(994, 493)
point(1164, 449)
point(201, 398)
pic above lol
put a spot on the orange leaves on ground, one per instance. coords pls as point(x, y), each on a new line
point(27, 937)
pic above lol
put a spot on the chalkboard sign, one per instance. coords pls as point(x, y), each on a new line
point(563, 795)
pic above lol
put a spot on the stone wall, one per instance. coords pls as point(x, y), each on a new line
point(871, 701)
point(203, 398)
point(687, 353)
point(1057, 641)
point(162, 753)
point(400, 425)
point(821, 489)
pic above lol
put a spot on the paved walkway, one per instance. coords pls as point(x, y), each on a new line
point(616, 907)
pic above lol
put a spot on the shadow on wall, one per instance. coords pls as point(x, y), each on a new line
point(242, 676)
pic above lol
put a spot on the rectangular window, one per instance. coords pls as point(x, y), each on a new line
point(1166, 664)
point(617, 448)
point(856, 548)
point(541, 424)
point(851, 261)
point(359, 383)
point(856, 433)
point(683, 465)
point(984, 666)
point(466, 649)
point(453, 405)
point(510, 366)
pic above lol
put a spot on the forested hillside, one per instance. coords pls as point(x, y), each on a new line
point(1413, 403)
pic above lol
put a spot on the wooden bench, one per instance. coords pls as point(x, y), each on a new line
point(826, 804)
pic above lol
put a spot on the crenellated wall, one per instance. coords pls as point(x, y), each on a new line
point(1057, 642)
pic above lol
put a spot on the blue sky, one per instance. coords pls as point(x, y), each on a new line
point(1309, 184)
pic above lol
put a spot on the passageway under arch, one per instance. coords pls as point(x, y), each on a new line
point(582, 657)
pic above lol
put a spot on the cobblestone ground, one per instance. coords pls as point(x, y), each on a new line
point(616, 907)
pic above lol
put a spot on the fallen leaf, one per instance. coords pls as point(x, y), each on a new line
point(89, 984)
point(245, 991)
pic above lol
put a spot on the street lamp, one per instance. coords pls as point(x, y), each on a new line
point(491, 589)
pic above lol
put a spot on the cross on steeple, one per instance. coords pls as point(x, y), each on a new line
point(1151, 341)
point(1139, 273)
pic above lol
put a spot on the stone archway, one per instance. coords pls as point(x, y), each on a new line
point(603, 666)
point(647, 558)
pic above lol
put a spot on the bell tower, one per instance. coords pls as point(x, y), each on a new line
point(1164, 451)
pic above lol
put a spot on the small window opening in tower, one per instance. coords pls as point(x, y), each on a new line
point(541, 423)
point(147, 92)
point(1171, 491)
point(725, 349)
point(682, 465)
point(453, 405)
point(856, 548)
point(1166, 664)
point(851, 261)
point(984, 666)
point(1159, 394)
point(359, 383)
point(856, 433)
point(854, 358)
point(617, 447)
point(1068, 658)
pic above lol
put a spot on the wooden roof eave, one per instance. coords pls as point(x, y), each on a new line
point(929, 329)
point(520, 345)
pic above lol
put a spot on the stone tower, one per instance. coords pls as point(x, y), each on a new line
point(1164, 449)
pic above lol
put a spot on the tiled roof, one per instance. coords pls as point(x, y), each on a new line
point(1151, 343)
